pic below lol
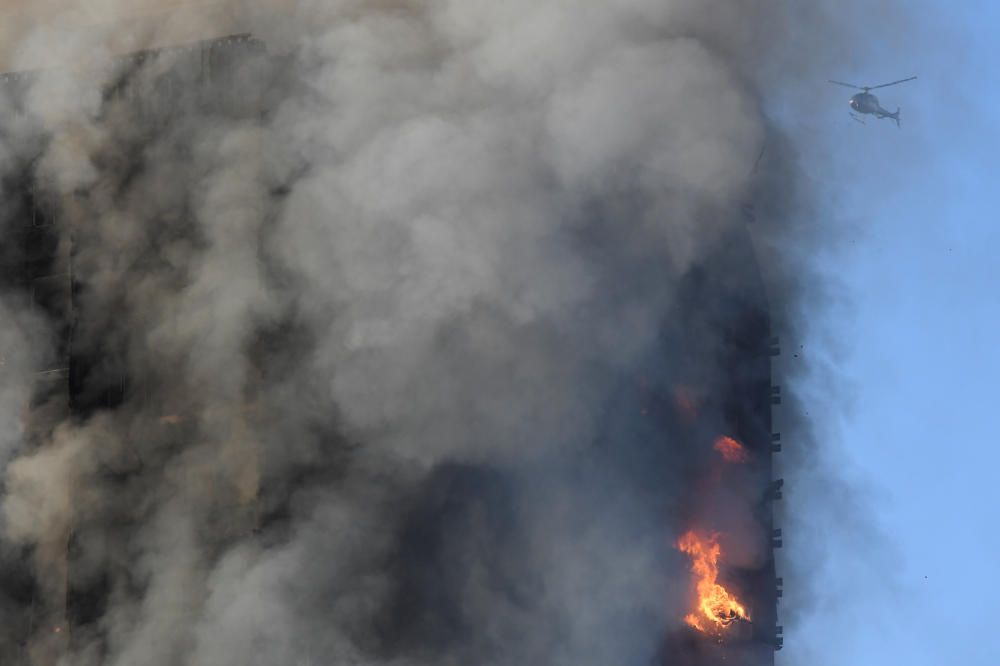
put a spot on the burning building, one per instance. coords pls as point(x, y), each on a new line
point(371, 350)
point(87, 376)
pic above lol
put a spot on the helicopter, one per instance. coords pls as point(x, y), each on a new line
point(866, 103)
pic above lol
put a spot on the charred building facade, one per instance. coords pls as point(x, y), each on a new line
point(88, 373)
point(681, 441)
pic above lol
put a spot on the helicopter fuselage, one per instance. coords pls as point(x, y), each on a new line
point(865, 102)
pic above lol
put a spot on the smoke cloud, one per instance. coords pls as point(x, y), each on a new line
point(379, 333)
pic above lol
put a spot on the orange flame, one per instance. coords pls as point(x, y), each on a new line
point(731, 450)
point(715, 603)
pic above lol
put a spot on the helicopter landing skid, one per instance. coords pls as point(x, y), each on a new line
point(857, 119)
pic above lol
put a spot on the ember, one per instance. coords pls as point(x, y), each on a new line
point(686, 403)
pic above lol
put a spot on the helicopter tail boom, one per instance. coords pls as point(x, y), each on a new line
point(881, 113)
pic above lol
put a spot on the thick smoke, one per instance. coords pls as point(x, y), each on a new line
point(391, 339)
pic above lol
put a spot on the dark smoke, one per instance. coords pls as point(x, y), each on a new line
point(378, 320)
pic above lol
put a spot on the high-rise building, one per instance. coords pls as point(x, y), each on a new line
point(58, 597)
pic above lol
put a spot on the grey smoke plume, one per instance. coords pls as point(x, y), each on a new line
point(383, 339)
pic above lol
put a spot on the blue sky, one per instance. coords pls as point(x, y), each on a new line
point(912, 336)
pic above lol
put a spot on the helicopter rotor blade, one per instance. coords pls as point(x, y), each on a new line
point(886, 85)
point(849, 85)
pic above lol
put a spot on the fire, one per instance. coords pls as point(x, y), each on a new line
point(686, 403)
point(715, 604)
point(731, 450)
